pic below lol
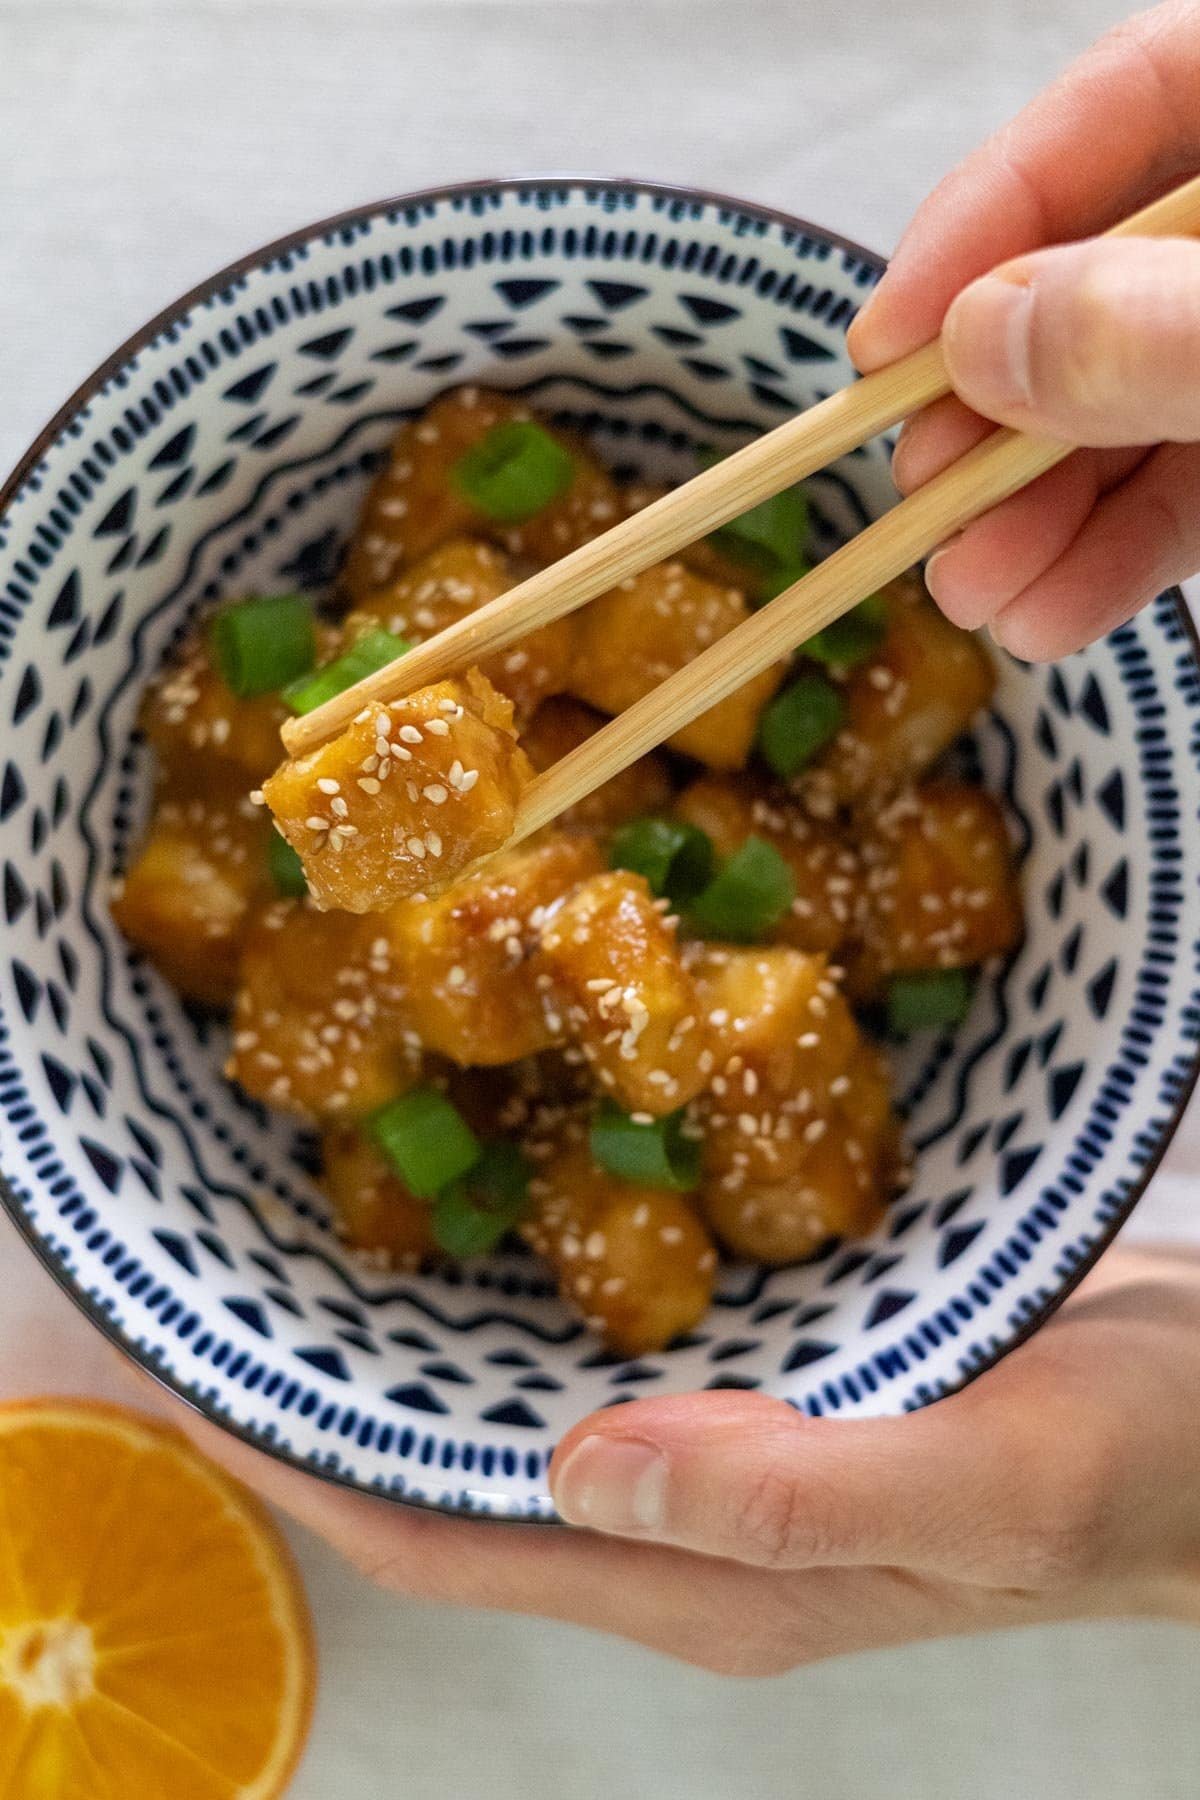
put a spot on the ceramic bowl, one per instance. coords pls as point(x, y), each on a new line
point(225, 448)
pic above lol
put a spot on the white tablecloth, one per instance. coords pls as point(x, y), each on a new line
point(143, 143)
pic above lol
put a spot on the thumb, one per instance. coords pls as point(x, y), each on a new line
point(1095, 343)
point(745, 1477)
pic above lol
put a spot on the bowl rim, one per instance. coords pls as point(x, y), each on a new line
point(44, 442)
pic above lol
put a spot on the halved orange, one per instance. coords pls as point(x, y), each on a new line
point(155, 1642)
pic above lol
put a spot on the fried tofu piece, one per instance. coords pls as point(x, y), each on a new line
point(618, 989)
point(452, 582)
point(405, 798)
point(469, 957)
point(321, 1027)
point(941, 885)
point(636, 1261)
point(904, 706)
point(373, 1210)
point(561, 725)
point(630, 639)
point(202, 732)
point(186, 900)
point(838, 1189)
point(416, 504)
point(783, 1036)
point(824, 913)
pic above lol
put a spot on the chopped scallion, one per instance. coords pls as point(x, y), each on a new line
point(474, 1212)
point(515, 470)
point(852, 638)
point(772, 537)
point(374, 650)
point(676, 859)
point(287, 871)
point(657, 1155)
point(930, 1000)
point(748, 895)
point(258, 646)
point(799, 722)
point(426, 1140)
point(785, 576)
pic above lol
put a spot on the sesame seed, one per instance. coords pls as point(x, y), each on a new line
point(410, 735)
point(437, 727)
point(416, 847)
point(327, 785)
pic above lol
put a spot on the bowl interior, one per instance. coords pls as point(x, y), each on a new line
point(227, 452)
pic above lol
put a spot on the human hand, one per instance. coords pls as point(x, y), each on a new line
point(735, 1533)
point(1096, 343)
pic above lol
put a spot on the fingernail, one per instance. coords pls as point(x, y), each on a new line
point(931, 564)
point(613, 1484)
point(987, 339)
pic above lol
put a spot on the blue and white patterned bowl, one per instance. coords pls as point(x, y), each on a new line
point(225, 448)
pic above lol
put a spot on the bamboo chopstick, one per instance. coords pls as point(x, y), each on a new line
point(775, 461)
point(1004, 462)
point(731, 487)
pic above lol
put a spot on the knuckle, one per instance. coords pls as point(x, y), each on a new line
point(1079, 350)
point(778, 1524)
point(1065, 1524)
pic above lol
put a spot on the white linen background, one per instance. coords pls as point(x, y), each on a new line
point(143, 144)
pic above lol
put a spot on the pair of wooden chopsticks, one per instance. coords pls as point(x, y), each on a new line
point(996, 468)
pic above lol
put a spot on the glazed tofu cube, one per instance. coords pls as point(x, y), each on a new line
point(824, 914)
point(202, 732)
point(837, 1190)
point(904, 706)
point(561, 725)
point(320, 1026)
point(373, 1211)
point(783, 1036)
point(618, 989)
point(447, 585)
point(469, 957)
point(405, 798)
point(416, 503)
point(636, 1261)
point(631, 639)
point(941, 886)
point(185, 902)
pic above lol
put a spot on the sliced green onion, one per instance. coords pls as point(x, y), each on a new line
point(426, 1140)
point(655, 1155)
point(748, 895)
point(258, 646)
point(373, 650)
point(676, 859)
point(799, 722)
point(287, 871)
point(852, 638)
point(513, 471)
point(931, 1000)
point(772, 536)
point(473, 1213)
point(784, 577)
